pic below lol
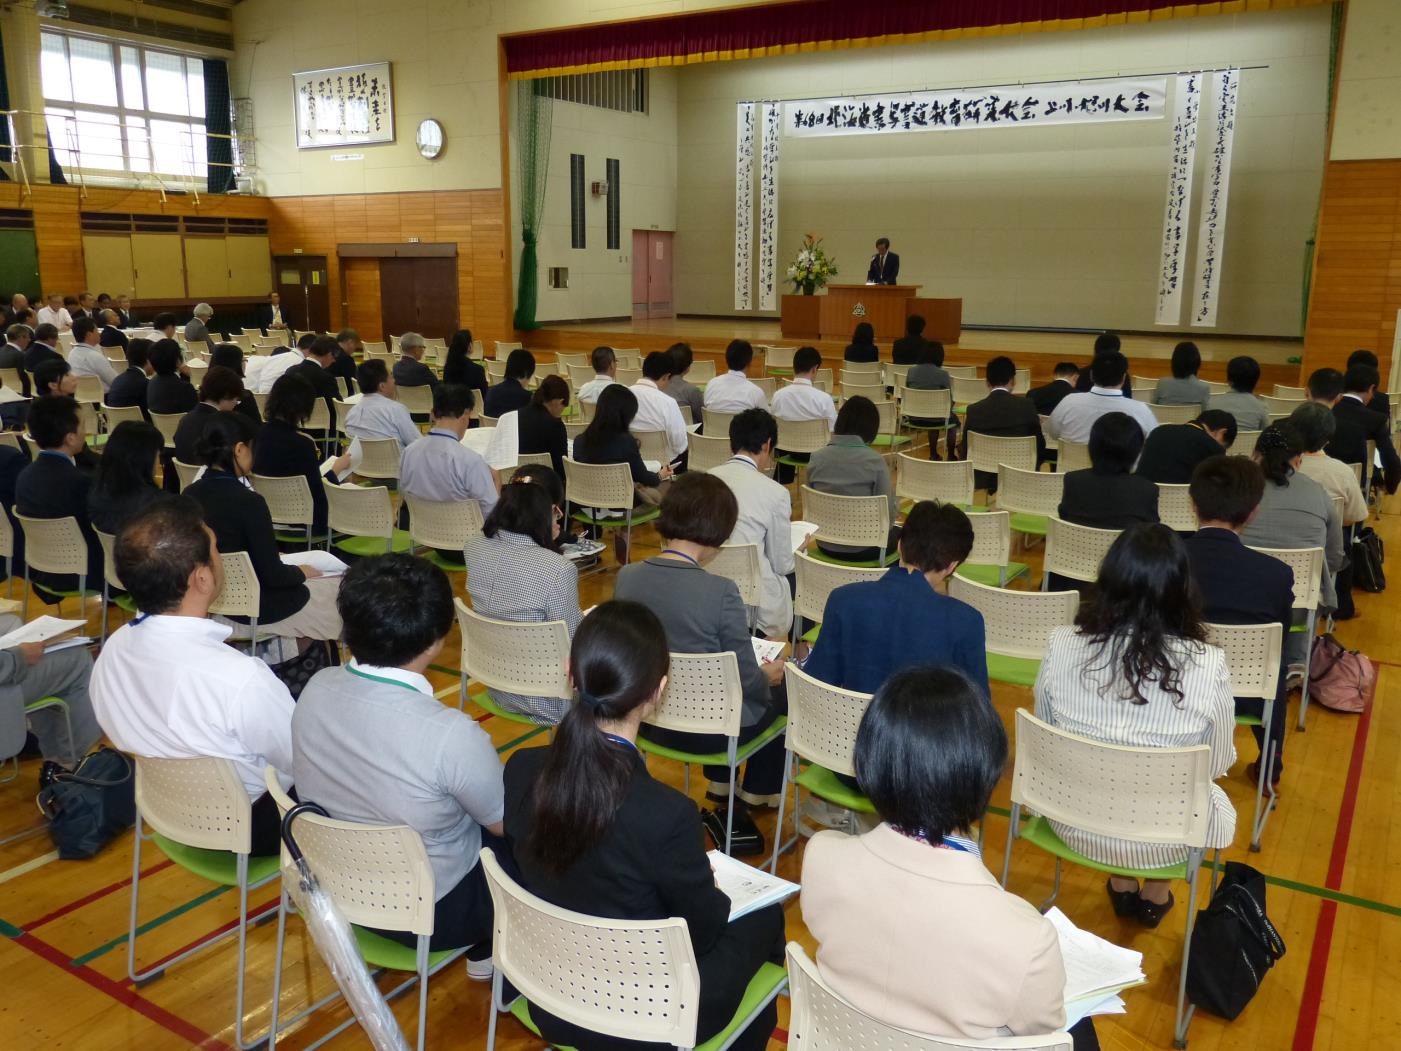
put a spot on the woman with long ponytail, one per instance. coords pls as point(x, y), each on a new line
point(591, 831)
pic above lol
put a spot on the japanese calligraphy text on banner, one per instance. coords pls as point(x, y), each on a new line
point(1178, 207)
point(1009, 106)
point(744, 204)
point(768, 209)
point(349, 105)
point(1211, 231)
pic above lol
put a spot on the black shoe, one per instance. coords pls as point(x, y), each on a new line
point(745, 838)
point(1150, 914)
point(1125, 902)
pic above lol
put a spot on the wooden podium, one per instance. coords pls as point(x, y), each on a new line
point(833, 316)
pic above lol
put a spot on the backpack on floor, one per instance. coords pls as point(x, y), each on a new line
point(1368, 556)
point(1340, 678)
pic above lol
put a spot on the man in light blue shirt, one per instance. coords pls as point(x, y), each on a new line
point(377, 414)
point(438, 466)
point(1075, 416)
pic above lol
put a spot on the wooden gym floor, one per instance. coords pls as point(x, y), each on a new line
point(1330, 853)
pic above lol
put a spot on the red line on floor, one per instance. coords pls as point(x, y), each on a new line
point(781, 1035)
point(126, 997)
point(88, 899)
point(254, 915)
point(1311, 1001)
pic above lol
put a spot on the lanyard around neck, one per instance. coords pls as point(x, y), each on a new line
point(680, 554)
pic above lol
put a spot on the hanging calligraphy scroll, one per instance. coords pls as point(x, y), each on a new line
point(744, 205)
point(768, 209)
point(340, 107)
point(1177, 212)
point(1211, 232)
point(1031, 106)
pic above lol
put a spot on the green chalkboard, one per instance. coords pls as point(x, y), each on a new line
point(19, 265)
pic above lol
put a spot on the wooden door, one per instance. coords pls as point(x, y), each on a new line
point(207, 267)
point(306, 300)
point(158, 266)
point(418, 295)
point(639, 275)
point(651, 274)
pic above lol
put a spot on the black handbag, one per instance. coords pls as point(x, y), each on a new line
point(1233, 944)
point(90, 806)
point(1368, 558)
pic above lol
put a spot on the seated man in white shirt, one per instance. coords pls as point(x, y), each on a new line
point(733, 392)
point(261, 371)
point(1074, 417)
point(377, 414)
point(656, 409)
point(801, 400)
point(605, 368)
point(86, 358)
point(54, 314)
point(167, 687)
point(440, 468)
point(765, 511)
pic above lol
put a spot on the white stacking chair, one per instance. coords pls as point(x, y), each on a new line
point(89, 390)
point(564, 360)
point(1307, 565)
point(1075, 551)
point(629, 357)
point(767, 384)
point(987, 452)
point(444, 525)
point(740, 563)
point(628, 376)
point(861, 371)
point(503, 349)
point(1076, 781)
point(418, 400)
point(702, 371)
point(862, 386)
point(1275, 404)
point(966, 390)
point(1033, 497)
point(539, 459)
point(115, 414)
point(963, 372)
point(816, 580)
point(990, 559)
point(527, 658)
point(1175, 508)
point(1051, 443)
point(364, 515)
point(1022, 383)
point(1217, 387)
point(1244, 444)
point(166, 423)
point(917, 404)
point(716, 423)
point(803, 437)
point(853, 521)
point(653, 445)
point(1174, 413)
point(495, 370)
point(381, 458)
point(1072, 456)
point(947, 481)
point(707, 451)
point(55, 545)
point(1018, 625)
point(186, 473)
point(289, 503)
point(578, 374)
point(1290, 393)
point(597, 489)
point(240, 595)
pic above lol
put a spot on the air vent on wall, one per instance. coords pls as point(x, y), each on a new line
point(79, 14)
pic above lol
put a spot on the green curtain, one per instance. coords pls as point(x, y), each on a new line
point(218, 124)
point(1310, 246)
point(534, 119)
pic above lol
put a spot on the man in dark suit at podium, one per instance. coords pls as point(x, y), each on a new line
point(885, 265)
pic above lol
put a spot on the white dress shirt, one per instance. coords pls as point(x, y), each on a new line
point(168, 687)
point(765, 510)
point(87, 359)
point(657, 411)
point(1076, 414)
point(733, 392)
point(590, 391)
point(261, 372)
point(800, 400)
point(59, 318)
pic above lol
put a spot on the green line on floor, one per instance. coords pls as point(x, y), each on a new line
point(454, 672)
point(9, 930)
point(193, 903)
point(522, 737)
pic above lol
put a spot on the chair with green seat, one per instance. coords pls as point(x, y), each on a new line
point(1018, 625)
point(861, 385)
point(526, 658)
point(110, 581)
point(888, 438)
point(378, 876)
point(290, 504)
point(361, 520)
point(1075, 551)
point(1032, 497)
point(1079, 782)
point(799, 439)
point(380, 459)
point(240, 597)
point(593, 972)
point(55, 545)
point(850, 521)
point(816, 579)
point(775, 361)
point(819, 744)
point(443, 526)
point(947, 481)
point(965, 390)
point(989, 452)
point(599, 488)
point(926, 411)
point(1252, 660)
point(704, 696)
point(1307, 565)
point(990, 560)
point(200, 817)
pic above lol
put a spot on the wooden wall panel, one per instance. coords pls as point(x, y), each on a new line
point(1357, 265)
point(362, 311)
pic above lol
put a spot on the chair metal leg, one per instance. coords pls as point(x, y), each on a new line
point(242, 955)
point(782, 800)
point(1185, 1010)
point(277, 969)
point(1055, 890)
point(1013, 824)
point(730, 811)
point(494, 1010)
point(1308, 663)
point(422, 989)
point(1264, 786)
point(135, 892)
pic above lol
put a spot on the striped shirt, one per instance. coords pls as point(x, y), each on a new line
point(1078, 693)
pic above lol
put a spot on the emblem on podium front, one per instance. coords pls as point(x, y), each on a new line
point(859, 310)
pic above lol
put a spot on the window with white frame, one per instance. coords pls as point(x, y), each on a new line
point(116, 107)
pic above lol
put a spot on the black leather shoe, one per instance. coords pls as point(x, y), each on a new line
point(745, 838)
point(1125, 902)
point(1150, 914)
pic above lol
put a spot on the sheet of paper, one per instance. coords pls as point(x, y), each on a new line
point(1077, 1010)
point(499, 446)
point(694, 427)
point(747, 888)
point(353, 399)
point(40, 629)
point(765, 650)
point(1094, 967)
point(68, 644)
point(9, 394)
point(652, 465)
point(317, 558)
point(800, 531)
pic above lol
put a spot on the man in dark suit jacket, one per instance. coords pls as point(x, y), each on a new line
point(1173, 450)
point(1003, 414)
point(1381, 401)
point(885, 265)
point(53, 487)
point(1238, 585)
point(17, 340)
point(1359, 424)
point(315, 369)
point(112, 334)
point(409, 370)
point(912, 344)
point(1049, 395)
point(348, 345)
point(271, 318)
point(123, 309)
point(129, 388)
point(42, 348)
point(12, 462)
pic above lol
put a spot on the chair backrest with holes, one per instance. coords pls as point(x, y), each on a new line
point(54, 545)
point(359, 511)
point(1244, 444)
point(1081, 783)
point(199, 802)
point(926, 404)
point(740, 563)
point(1017, 623)
point(565, 360)
point(598, 485)
point(988, 451)
point(627, 377)
point(860, 371)
point(628, 358)
point(817, 580)
point(992, 538)
point(166, 423)
point(579, 374)
point(702, 370)
point(963, 372)
point(707, 452)
point(803, 436)
point(1291, 393)
point(1029, 492)
point(288, 499)
point(1175, 508)
point(241, 592)
point(653, 445)
point(703, 695)
point(381, 458)
point(539, 459)
point(109, 565)
point(11, 378)
point(1252, 656)
point(526, 657)
point(1075, 551)
point(89, 389)
point(1050, 442)
point(630, 979)
point(948, 481)
point(418, 400)
point(495, 370)
point(444, 525)
point(889, 416)
point(1307, 564)
point(858, 521)
point(1274, 404)
point(1175, 413)
point(503, 350)
point(823, 720)
point(864, 387)
point(717, 424)
point(116, 414)
point(1072, 456)
point(966, 390)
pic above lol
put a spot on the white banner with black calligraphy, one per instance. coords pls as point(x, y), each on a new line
point(768, 209)
point(1211, 229)
point(1032, 106)
point(1177, 212)
point(744, 205)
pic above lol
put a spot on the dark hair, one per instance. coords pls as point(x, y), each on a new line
point(48, 373)
point(305, 340)
point(82, 328)
point(935, 536)
point(617, 662)
point(459, 353)
point(859, 416)
point(1220, 420)
point(805, 359)
point(1361, 378)
point(394, 607)
point(520, 365)
point(544, 477)
point(1107, 343)
point(452, 400)
point(613, 414)
point(1226, 489)
point(1066, 368)
point(1315, 423)
point(345, 334)
point(164, 357)
point(738, 355)
point(882, 241)
point(658, 365)
point(751, 429)
point(1277, 445)
point(552, 388)
point(370, 374)
point(1109, 370)
point(227, 355)
point(164, 320)
point(220, 384)
point(929, 751)
point(223, 431)
point(681, 358)
point(1116, 439)
point(1326, 384)
point(324, 347)
point(158, 548)
point(1363, 357)
point(914, 325)
point(1186, 359)
point(1144, 595)
point(18, 331)
point(1243, 373)
point(700, 508)
point(128, 462)
point(52, 417)
point(523, 508)
point(602, 359)
point(1001, 371)
point(863, 334)
point(291, 400)
point(45, 332)
point(932, 353)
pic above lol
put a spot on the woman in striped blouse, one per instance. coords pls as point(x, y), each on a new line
point(1135, 671)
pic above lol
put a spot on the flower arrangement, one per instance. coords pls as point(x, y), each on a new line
point(811, 268)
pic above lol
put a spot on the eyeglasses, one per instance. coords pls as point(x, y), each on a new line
point(559, 515)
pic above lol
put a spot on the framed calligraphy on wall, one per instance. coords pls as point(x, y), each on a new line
point(352, 105)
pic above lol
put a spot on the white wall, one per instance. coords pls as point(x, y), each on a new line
point(1369, 83)
point(1057, 226)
